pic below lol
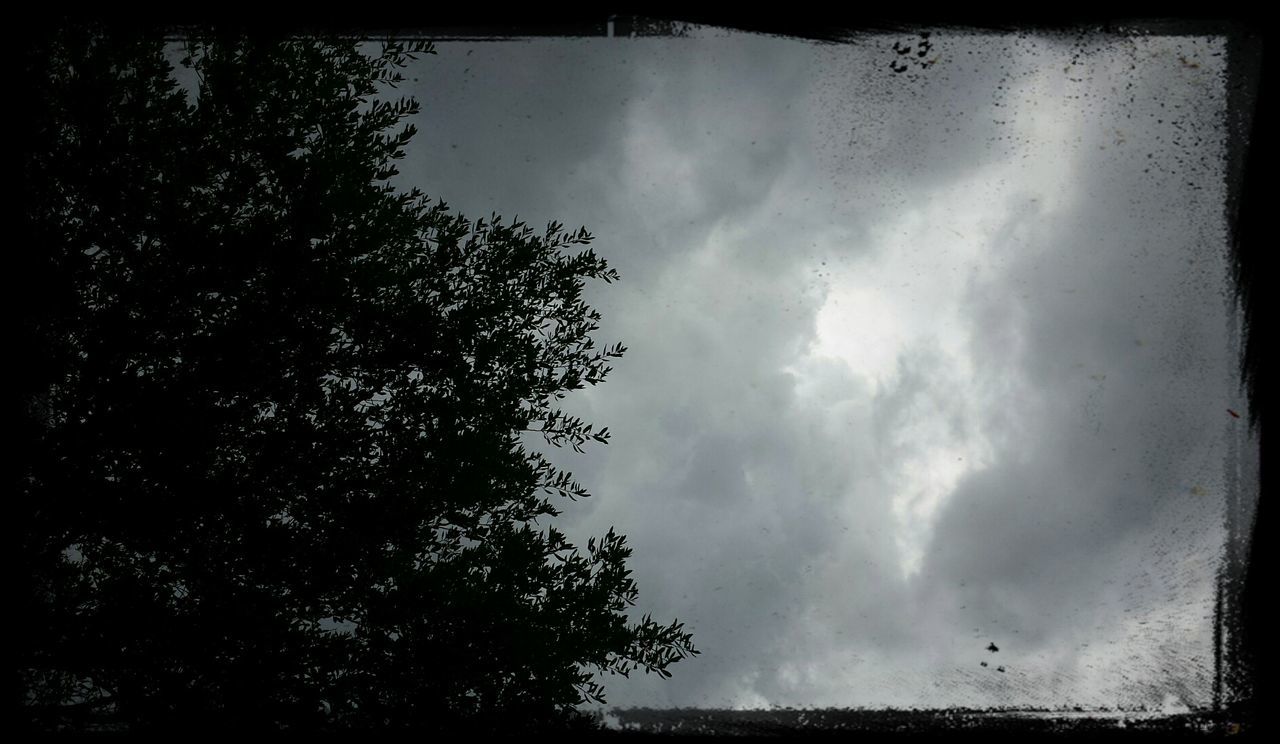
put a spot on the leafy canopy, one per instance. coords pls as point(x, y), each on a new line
point(273, 470)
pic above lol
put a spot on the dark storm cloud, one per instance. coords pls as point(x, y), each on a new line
point(1119, 332)
point(1031, 410)
point(506, 131)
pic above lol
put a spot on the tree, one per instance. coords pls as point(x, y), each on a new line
point(272, 470)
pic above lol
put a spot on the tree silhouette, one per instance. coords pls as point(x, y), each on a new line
point(272, 409)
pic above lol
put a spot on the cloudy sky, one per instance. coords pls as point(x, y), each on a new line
point(918, 361)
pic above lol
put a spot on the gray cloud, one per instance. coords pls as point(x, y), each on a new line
point(917, 362)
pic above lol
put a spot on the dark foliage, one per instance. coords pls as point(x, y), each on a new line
point(272, 408)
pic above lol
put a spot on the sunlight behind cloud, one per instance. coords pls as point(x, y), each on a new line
point(909, 293)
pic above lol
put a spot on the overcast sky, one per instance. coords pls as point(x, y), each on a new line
point(918, 361)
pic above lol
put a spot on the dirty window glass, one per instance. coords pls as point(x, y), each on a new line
point(930, 397)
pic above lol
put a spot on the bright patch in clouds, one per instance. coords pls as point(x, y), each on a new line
point(909, 293)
